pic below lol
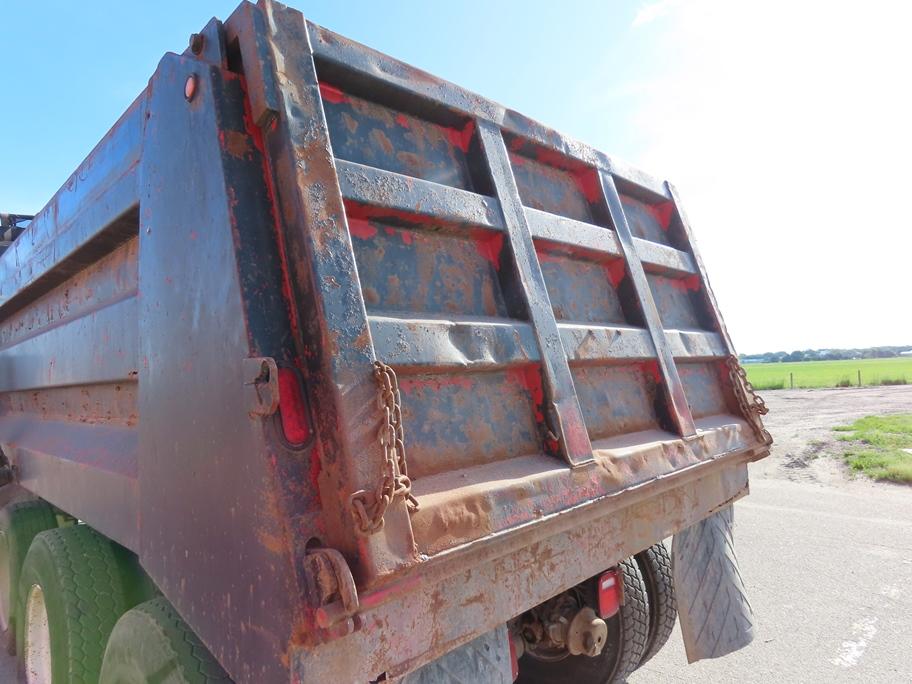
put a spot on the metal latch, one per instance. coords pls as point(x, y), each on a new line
point(261, 386)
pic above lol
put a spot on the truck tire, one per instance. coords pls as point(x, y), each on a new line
point(626, 643)
point(19, 523)
point(655, 566)
point(152, 643)
point(71, 594)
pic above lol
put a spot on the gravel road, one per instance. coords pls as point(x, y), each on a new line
point(827, 559)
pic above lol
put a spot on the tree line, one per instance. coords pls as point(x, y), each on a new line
point(826, 354)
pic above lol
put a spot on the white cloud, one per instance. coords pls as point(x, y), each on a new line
point(786, 127)
point(652, 11)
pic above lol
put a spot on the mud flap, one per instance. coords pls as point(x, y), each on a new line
point(716, 617)
point(486, 660)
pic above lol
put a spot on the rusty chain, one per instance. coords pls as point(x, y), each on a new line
point(751, 403)
point(369, 507)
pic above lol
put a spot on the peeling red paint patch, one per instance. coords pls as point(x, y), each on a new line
point(663, 213)
point(516, 144)
point(617, 271)
point(518, 160)
point(332, 94)
point(545, 257)
point(462, 138)
point(690, 283)
point(529, 378)
point(292, 410)
point(365, 211)
point(589, 183)
point(404, 235)
point(315, 468)
point(361, 228)
point(651, 370)
point(489, 246)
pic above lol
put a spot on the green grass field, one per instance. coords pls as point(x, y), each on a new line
point(767, 376)
point(878, 446)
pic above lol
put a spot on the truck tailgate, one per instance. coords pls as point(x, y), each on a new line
point(543, 308)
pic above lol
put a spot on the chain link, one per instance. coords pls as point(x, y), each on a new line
point(752, 405)
point(369, 507)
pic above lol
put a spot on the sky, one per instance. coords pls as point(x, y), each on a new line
point(785, 125)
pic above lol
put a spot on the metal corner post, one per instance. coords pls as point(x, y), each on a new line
point(335, 342)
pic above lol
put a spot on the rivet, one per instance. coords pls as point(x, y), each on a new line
point(190, 87)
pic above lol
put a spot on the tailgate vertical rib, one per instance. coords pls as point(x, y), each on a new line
point(565, 407)
point(673, 387)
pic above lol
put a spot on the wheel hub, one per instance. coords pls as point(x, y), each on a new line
point(37, 654)
point(562, 627)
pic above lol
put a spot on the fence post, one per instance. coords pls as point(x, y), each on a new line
point(791, 380)
point(859, 377)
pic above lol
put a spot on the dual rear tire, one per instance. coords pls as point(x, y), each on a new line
point(152, 640)
point(82, 610)
point(19, 523)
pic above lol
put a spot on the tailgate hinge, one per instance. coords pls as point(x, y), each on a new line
point(333, 592)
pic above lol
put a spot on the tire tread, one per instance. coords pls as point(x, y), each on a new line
point(189, 660)
point(88, 575)
point(634, 621)
point(26, 519)
point(655, 566)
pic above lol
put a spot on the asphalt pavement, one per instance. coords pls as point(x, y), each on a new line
point(827, 559)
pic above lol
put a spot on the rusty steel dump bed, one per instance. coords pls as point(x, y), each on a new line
point(190, 329)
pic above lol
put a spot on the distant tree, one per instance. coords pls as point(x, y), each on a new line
point(830, 354)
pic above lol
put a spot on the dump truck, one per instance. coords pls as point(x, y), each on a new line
point(322, 369)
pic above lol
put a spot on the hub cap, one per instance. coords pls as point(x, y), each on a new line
point(4, 582)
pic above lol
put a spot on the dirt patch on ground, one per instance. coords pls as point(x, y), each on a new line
point(801, 421)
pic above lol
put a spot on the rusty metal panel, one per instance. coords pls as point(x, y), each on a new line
point(217, 494)
point(466, 601)
point(93, 212)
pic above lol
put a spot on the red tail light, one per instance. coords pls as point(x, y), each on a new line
point(292, 408)
point(609, 594)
